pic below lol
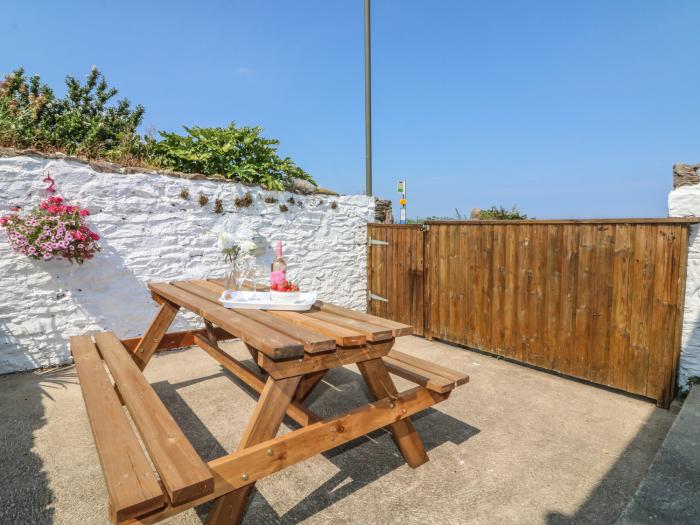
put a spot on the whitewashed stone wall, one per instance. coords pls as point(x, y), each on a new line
point(683, 202)
point(150, 233)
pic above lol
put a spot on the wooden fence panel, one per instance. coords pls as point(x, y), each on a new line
point(600, 300)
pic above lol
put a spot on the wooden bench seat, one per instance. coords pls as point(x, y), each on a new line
point(132, 486)
point(429, 375)
point(183, 474)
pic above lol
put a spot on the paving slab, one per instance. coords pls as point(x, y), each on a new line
point(670, 492)
point(515, 445)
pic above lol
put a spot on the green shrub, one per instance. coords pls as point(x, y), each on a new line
point(236, 153)
point(88, 122)
point(81, 123)
point(501, 214)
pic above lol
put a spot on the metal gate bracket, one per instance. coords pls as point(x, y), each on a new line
point(374, 297)
point(375, 242)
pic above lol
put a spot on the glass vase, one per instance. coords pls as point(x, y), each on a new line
point(230, 278)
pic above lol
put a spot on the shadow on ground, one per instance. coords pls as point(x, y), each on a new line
point(607, 501)
point(356, 468)
point(26, 495)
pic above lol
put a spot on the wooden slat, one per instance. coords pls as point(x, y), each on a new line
point(184, 475)
point(263, 425)
point(270, 342)
point(296, 411)
point(326, 361)
point(304, 443)
point(345, 337)
point(424, 373)
point(620, 322)
point(148, 344)
point(397, 329)
point(642, 300)
point(131, 483)
point(174, 340)
point(313, 341)
point(372, 332)
point(405, 436)
point(459, 378)
point(307, 385)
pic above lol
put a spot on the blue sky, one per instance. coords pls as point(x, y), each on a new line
point(567, 109)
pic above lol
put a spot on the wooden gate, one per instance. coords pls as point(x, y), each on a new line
point(599, 300)
point(395, 273)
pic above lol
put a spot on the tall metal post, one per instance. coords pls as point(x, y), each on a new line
point(368, 102)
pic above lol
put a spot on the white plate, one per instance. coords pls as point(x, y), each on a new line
point(262, 301)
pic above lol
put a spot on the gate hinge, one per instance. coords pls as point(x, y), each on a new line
point(375, 297)
point(375, 242)
point(426, 227)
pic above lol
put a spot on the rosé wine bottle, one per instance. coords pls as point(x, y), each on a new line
point(278, 270)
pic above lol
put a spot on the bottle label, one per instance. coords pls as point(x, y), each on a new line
point(277, 276)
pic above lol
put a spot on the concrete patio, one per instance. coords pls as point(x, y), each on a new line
point(515, 445)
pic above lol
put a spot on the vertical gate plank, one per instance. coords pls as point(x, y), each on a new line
point(582, 326)
point(620, 320)
point(510, 293)
point(499, 285)
point(569, 297)
point(443, 278)
point(599, 358)
point(522, 292)
point(552, 319)
point(641, 307)
point(667, 266)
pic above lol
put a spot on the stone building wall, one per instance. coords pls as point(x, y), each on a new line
point(150, 232)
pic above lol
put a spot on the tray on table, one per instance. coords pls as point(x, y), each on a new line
point(263, 301)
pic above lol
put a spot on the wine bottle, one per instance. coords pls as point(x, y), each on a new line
point(278, 270)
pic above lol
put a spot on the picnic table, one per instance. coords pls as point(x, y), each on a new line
point(292, 350)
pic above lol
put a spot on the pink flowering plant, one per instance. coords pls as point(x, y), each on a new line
point(52, 230)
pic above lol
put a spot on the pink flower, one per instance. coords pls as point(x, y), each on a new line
point(84, 213)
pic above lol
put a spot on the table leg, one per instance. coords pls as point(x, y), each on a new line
point(263, 425)
point(307, 385)
point(254, 354)
point(405, 436)
point(154, 335)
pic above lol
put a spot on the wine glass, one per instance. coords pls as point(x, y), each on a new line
point(256, 275)
point(239, 278)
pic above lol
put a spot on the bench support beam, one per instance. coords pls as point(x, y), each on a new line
point(405, 436)
point(248, 465)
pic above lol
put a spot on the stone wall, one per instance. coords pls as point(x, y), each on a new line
point(151, 232)
point(684, 201)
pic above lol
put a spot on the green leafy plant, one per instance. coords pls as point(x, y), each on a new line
point(238, 153)
point(85, 122)
point(499, 213)
point(88, 121)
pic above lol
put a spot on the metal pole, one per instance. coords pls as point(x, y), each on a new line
point(368, 103)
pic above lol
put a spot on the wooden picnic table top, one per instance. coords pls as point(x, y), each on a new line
point(282, 334)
